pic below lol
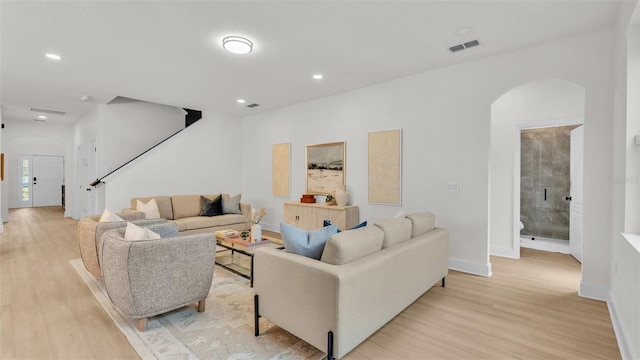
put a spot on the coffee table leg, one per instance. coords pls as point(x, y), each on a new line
point(251, 270)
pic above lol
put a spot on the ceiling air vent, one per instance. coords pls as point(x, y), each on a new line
point(468, 44)
point(253, 105)
point(54, 112)
point(40, 120)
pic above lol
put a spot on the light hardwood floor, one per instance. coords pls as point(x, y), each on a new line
point(528, 309)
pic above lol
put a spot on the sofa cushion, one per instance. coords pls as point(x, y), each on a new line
point(108, 216)
point(135, 233)
point(231, 204)
point(306, 243)
point(352, 245)
point(211, 207)
point(149, 209)
point(185, 206)
point(421, 223)
point(230, 219)
point(163, 202)
point(396, 230)
point(180, 223)
point(197, 222)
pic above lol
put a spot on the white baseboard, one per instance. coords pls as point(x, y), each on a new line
point(503, 252)
point(270, 227)
point(593, 291)
point(469, 267)
point(624, 342)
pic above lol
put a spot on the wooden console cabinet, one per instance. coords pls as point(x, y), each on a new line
point(311, 216)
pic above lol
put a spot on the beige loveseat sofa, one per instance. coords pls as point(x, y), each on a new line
point(184, 210)
point(364, 278)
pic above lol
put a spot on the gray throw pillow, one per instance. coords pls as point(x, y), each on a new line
point(231, 204)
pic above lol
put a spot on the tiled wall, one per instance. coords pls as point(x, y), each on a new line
point(544, 164)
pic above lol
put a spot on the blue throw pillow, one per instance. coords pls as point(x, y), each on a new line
point(306, 243)
point(362, 224)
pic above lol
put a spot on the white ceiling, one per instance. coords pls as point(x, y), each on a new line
point(170, 52)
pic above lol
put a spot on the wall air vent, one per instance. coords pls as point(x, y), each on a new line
point(467, 45)
point(54, 112)
point(253, 105)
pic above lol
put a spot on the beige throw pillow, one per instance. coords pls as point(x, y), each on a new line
point(149, 209)
point(351, 245)
point(108, 216)
point(134, 232)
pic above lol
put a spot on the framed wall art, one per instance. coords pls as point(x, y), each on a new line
point(325, 168)
point(385, 160)
point(280, 154)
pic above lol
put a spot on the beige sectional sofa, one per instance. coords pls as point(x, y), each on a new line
point(364, 278)
point(184, 210)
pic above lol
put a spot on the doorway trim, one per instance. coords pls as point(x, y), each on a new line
point(516, 171)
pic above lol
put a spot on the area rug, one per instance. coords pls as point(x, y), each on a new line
point(223, 331)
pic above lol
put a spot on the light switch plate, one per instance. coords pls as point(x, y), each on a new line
point(452, 187)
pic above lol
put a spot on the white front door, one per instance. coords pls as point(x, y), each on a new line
point(24, 178)
point(40, 180)
point(575, 207)
point(48, 177)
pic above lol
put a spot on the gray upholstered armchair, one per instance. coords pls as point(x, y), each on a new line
point(144, 278)
point(90, 230)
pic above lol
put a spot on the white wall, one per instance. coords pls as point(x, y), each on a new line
point(123, 129)
point(128, 127)
point(84, 130)
point(624, 293)
point(445, 115)
point(548, 102)
point(34, 138)
point(204, 158)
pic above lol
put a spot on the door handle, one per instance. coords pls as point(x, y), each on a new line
point(568, 198)
point(88, 189)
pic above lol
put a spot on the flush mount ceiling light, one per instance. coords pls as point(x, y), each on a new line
point(237, 45)
point(317, 76)
point(41, 117)
point(53, 56)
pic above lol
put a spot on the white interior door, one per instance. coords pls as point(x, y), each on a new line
point(25, 189)
point(47, 180)
point(575, 207)
point(92, 174)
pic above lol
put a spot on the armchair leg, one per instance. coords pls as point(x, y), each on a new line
point(256, 315)
point(142, 324)
point(442, 282)
point(330, 346)
point(201, 305)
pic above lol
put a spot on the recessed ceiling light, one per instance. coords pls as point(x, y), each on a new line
point(41, 117)
point(463, 30)
point(240, 101)
point(317, 76)
point(53, 56)
point(237, 45)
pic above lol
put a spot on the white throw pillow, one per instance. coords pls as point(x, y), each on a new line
point(149, 209)
point(108, 216)
point(134, 232)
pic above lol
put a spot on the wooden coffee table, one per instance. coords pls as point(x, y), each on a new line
point(238, 257)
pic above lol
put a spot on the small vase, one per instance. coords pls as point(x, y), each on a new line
point(256, 233)
point(342, 197)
